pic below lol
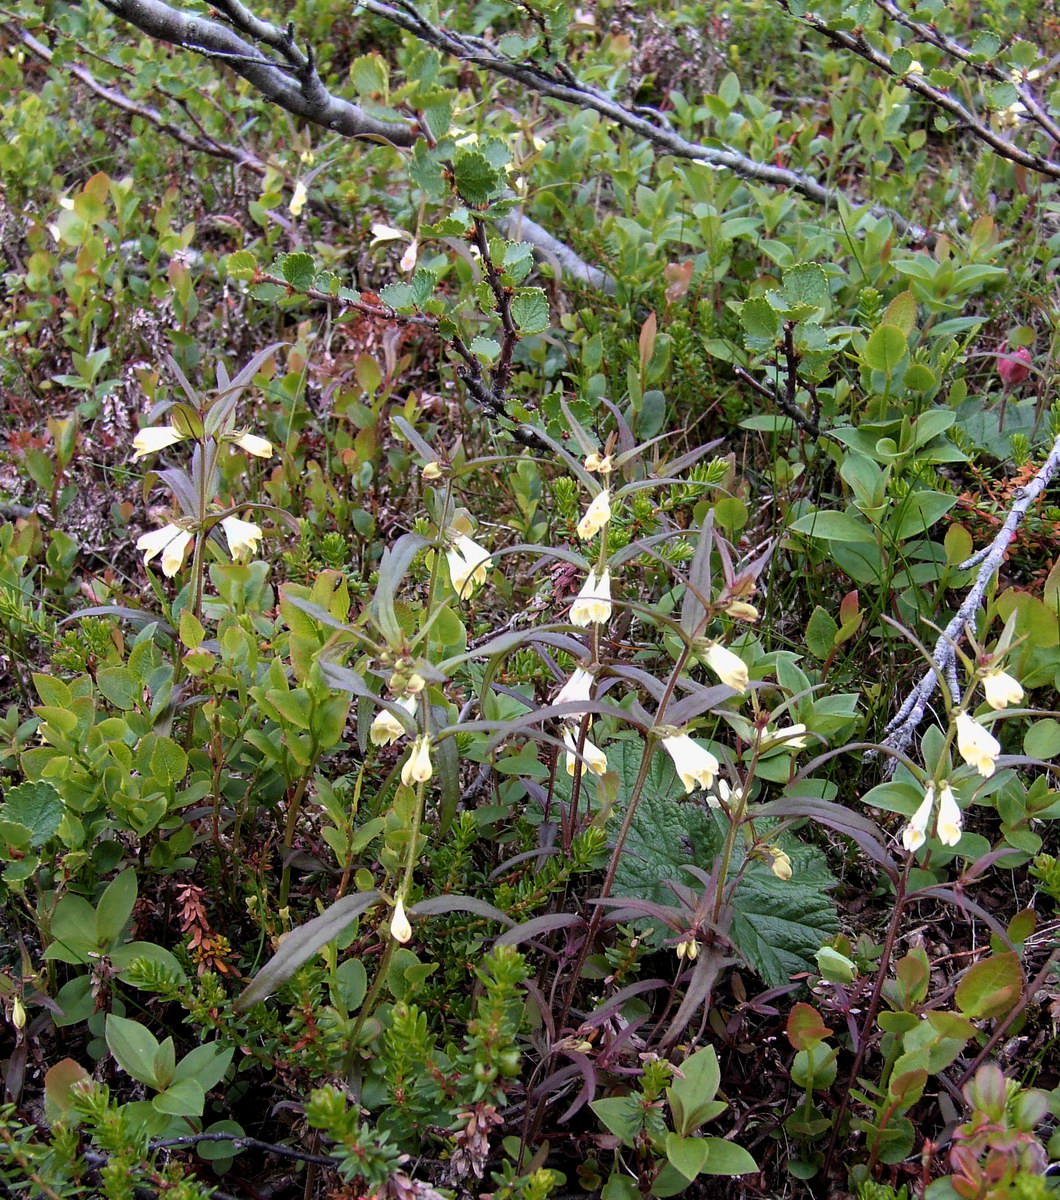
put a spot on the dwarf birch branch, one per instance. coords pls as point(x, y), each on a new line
point(856, 43)
point(899, 733)
point(290, 80)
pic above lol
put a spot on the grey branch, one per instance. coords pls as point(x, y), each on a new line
point(856, 43)
point(292, 83)
point(562, 85)
point(899, 733)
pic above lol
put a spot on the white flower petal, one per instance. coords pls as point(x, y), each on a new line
point(728, 667)
point(977, 745)
point(258, 446)
point(596, 515)
point(948, 826)
point(158, 437)
point(400, 929)
point(593, 605)
point(593, 758)
point(915, 833)
point(243, 536)
point(171, 542)
point(696, 766)
point(417, 768)
point(1001, 689)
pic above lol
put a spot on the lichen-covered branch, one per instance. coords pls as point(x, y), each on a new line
point(561, 84)
point(899, 733)
point(855, 42)
point(289, 80)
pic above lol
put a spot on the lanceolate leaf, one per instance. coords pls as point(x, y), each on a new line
point(302, 943)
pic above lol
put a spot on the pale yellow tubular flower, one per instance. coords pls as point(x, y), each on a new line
point(386, 728)
point(741, 610)
point(978, 746)
point(408, 259)
point(158, 437)
point(593, 758)
point(243, 536)
point(400, 928)
point(793, 736)
point(728, 667)
point(915, 833)
point(599, 463)
point(417, 768)
point(301, 195)
point(689, 949)
point(781, 864)
point(948, 826)
point(467, 565)
point(576, 689)
point(593, 605)
point(1001, 689)
point(696, 766)
point(258, 446)
point(171, 542)
point(432, 470)
point(596, 515)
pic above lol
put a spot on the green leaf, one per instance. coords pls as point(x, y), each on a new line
point(185, 1098)
point(241, 265)
point(299, 270)
point(134, 1047)
point(885, 349)
point(621, 1115)
point(120, 686)
point(833, 527)
point(778, 925)
point(688, 1155)
point(691, 1094)
point(169, 763)
point(918, 512)
point(302, 943)
point(207, 1064)
point(805, 284)
point(486, 348)
point(1042, 740)
point(821, 631)
point(352, 981)
point(530, 310)
point(370, 75)
point(221, 1151)
point(73, 930)
point(990, 987)
point(726, 1158)
point(760, 320)
point(115, 907)
point(476, 180)
point(36, 806)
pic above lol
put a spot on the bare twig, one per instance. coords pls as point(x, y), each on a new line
point(899, 733)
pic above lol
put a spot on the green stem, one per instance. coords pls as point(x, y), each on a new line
point(293, 811)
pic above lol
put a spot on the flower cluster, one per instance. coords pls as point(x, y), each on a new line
point(577, 689)
point(593, 604)
point(947, 823)
point(172, 542)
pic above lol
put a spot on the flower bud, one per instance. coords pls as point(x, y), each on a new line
point(400, 929)
point(1014, 366)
